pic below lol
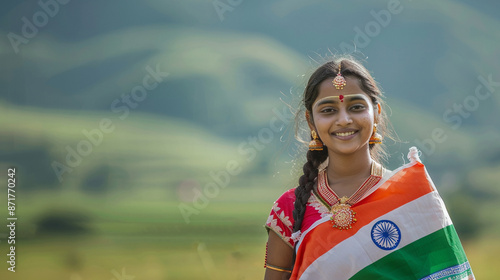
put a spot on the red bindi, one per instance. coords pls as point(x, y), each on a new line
point(341, 97)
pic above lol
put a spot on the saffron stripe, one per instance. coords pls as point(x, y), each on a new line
point(401, 188)
point(413, 222)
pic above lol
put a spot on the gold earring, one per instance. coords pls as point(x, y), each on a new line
point(376, 137)
point(315, 144)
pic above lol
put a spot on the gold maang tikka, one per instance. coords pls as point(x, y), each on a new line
point(339, 81)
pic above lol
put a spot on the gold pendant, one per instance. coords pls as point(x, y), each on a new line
point(343, 217)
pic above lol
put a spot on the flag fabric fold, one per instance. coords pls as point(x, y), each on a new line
point(403, 231)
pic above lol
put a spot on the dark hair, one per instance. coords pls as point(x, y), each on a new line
point(349, 67)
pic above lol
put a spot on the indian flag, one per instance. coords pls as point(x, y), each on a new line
point(403, 231)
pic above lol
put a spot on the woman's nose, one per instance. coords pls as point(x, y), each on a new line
point(344, 118)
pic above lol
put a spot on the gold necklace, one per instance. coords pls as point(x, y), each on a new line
point(343, 217)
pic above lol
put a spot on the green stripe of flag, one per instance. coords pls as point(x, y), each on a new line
point(429, 254)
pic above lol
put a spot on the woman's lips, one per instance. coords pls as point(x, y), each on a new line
point(345, 135)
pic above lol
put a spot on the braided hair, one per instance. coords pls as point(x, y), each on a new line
point(306, 184)
point(349, 67)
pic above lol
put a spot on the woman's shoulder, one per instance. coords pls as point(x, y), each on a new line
point(280, 219)
point(413, 172)
point(285, 202)
point(287, 197)
point(414, 159)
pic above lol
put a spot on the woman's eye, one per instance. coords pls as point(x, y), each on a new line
point(358, 107)
point(327, 110)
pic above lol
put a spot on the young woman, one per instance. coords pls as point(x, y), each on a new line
point(350, 218)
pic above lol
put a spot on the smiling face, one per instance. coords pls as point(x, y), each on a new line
point(343, 118)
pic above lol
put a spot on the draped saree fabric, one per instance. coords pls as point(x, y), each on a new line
point(403, 231)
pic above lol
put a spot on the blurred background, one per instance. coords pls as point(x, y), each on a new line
point(150, 138)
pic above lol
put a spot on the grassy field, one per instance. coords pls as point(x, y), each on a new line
point(132, 228)
point(148, 238)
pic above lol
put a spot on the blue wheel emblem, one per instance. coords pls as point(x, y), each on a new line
point(386, 235)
